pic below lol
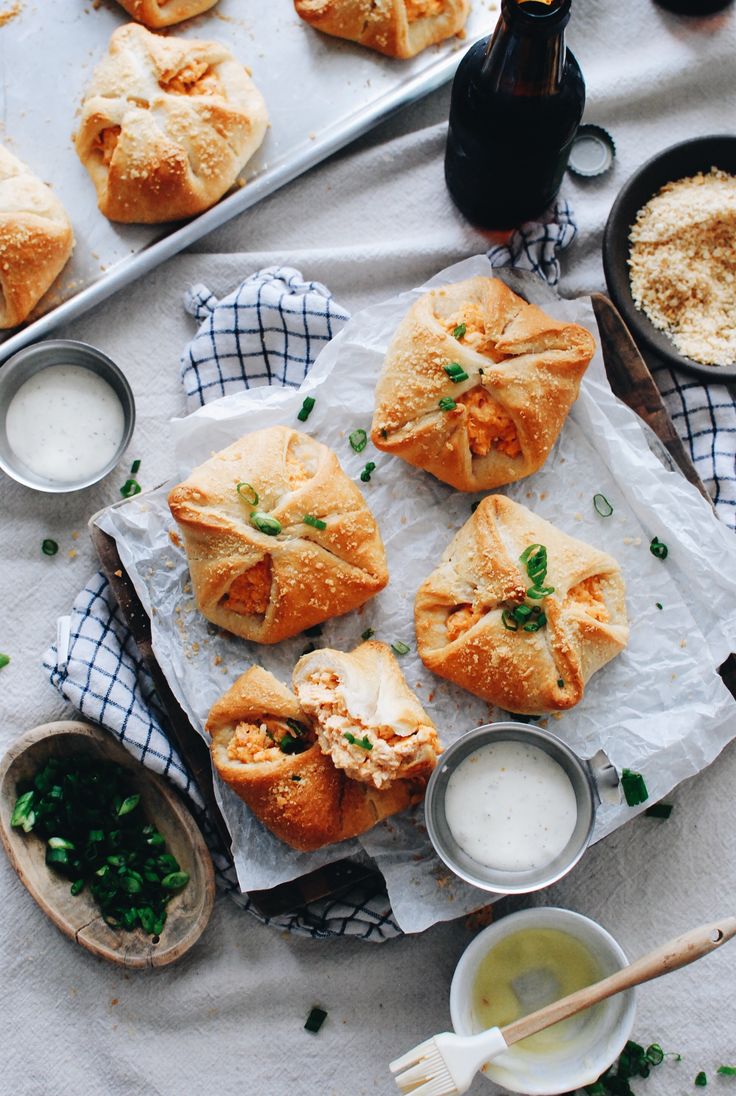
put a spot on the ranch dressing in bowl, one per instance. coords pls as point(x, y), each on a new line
point(65, 423)
point(510, 806)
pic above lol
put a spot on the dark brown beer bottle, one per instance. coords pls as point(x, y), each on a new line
point(517, 101)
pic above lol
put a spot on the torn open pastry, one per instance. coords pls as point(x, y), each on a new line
point(264, 747)
point(164, 13)
point(366, 716)
point(398, 28)
point(278, 538)
point(167, 125)
point(36, 239)
point(520, 613)
point(477, 384)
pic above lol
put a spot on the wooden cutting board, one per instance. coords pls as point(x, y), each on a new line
point(630, 380)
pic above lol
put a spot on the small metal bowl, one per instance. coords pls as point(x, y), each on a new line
point(591, 780)
point(45, 355)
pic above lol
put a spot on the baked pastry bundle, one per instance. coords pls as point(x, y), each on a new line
point(166, 125)
point(36, 239)
point(265, 747)
point(477, 384)
point(164, 13)
point(366, 716)
point(277, 536)
point(520, 613)
point(398, 28)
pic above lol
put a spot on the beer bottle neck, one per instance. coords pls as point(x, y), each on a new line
point(526, 54)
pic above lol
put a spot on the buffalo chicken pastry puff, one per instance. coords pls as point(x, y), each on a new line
point(36, 239)
point(277, 536)
point(167, 125)
point(398, 28)
point(164, 13)
point(264, 747)
point(366, 716)
point(477, 384)
point(520, 613)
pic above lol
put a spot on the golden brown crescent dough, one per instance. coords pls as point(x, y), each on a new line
point(302, 798)
point(164, 13)
point(398, 28)
point(366, 716)
point(268, 586)
point(461, 633)
point(167, 124)
point(36, 239)
point(517, 371)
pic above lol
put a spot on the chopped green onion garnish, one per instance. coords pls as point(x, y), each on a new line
point(658, 549)
point(529, 550)
point(367, 634)
point(400, 648)
point(175, 881)
point(447, 404)
point(521, 613)
point(535, 625)
point(49, 547)
point(316, 523)
point(130, 487)
point(23, 814)
point(701, 1080)
point(364, 742)
point(455, 372)
point(560, 683)
point(135, 468)
point(77, 887)
point(248, 493)
point(538, 592)
point(635, 788)
point(60, 843)
point(659, 810)
point(4, 660)
point(602, 506)
point(365, 475)
point(315, 1020)
point(128, 805)
point(459, 331)
point(358, 440)
point(265, 523)
point(509, 621)
point(654, 1054)
point(658, 604)
point(309, 402)
point(727, 1071)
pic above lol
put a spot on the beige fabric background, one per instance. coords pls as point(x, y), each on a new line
point(228, 1018)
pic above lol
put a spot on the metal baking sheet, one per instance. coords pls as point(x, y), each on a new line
point(321, 93)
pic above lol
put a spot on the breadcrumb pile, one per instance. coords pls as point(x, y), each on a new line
point(683, 265)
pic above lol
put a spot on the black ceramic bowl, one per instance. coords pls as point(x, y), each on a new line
point(677, 162)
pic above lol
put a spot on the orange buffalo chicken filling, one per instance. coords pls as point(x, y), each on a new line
point(460, 619)
point(268, 739)
point(488, 425)
point(475, 335)
point(589, 596)
point(195, 78)
point(251, 591)
point(423, 9)
point(106, 142)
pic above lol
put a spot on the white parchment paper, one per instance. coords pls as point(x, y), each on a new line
point(659, 708)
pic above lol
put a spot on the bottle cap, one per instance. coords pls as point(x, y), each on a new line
point(592, 152)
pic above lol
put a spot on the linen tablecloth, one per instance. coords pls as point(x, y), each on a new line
point(228, 1017)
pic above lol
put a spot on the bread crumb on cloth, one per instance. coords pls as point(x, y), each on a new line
point(682, 265)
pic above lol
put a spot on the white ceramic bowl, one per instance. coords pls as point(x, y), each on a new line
point(578, 1061)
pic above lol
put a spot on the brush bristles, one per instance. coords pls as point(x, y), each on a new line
point(427, 1074)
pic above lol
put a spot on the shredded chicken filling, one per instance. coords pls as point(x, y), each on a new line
point(460, 619)
point(589, 596)
point(251, 591)
point(262, 740)
point(106, 142)
point(195, 78)
point(476, 336)
point(424, 9)
point(488, 425)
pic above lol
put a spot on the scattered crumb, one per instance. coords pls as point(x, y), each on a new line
point(73, 553)
point(217, 661)
point(175, 538)
point(169, 563)
point(118, 573)
point(683, 643)
point(113, 1001)
point(11, 12)
point(75, 535)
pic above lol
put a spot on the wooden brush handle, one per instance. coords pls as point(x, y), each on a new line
point(677, 953)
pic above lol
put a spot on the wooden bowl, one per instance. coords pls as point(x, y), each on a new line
point(79, 917)
point(677, 162)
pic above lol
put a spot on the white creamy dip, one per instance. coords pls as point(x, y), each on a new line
point(65, 423)
point(510, 806)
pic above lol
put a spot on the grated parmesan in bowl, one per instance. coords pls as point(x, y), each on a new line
point(682, 265)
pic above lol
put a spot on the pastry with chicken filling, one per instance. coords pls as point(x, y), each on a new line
point(264, 747)
point(520, 613)
point(278, 538)
point(167, 125)
point(365, 715)
point(398, 28)
point(36, 239)
point(164, 13)
point(477, 384)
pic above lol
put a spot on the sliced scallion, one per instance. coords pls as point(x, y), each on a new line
point(634, 787)
point(316, 523)
point(459, 331)
point(455, 372)
point(538, 592)
point(658, 549)
point(602, 505)
point(306, 411)
point(654, 1054)
point(701, 1080)
point(23, 815)
point(130, 488)
point(265, 523)
point(358, 440)
point(128, 805)
point(315, 1020)
point(659, 810)
point(248, 493)
point(400, 648)
point(447, 404)
point(135, 468)
point(509, 621)
point(49, 547)
point(364, 743)
point(365, 475)
point(367, 634)
point(727, 1071)
point(4, 661)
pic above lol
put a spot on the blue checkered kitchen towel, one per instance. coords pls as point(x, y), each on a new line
point(269, 331)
